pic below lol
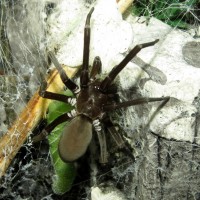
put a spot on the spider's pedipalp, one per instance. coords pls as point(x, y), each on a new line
point(96, 68)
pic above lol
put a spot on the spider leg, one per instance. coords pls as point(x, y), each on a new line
point(47, 130)
point(120, 142)
point(96, 67)
point(103, 147)
point(51, 95)
point(117, 69)
point(125, 104)
point(65, 79)
point(84, 77)
point(102, 142)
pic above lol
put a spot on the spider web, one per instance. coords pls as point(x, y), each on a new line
point(167, 154)
point(181, 14)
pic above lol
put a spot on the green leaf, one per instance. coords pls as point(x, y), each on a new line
point(64, 172)
point(176, 13)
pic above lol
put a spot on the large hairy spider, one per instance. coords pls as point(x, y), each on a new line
point(94, 100)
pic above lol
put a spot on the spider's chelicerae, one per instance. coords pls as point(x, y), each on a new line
point(94, 100)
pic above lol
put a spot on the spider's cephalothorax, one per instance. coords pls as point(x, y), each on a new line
point(94, 100)
point(90, 101)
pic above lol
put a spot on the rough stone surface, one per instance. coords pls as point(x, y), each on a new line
point(191, 53)
point(110, 193)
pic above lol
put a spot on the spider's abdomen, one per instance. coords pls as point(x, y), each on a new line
point(90, 102)
point(75, 139)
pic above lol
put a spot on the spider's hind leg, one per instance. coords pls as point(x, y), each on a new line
point(120, 142)
point(47, 130)
point(103, 159)
point(111, 107)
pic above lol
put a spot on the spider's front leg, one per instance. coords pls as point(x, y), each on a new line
point(84, 77)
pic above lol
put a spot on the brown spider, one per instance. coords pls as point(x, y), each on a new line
point(93, 101)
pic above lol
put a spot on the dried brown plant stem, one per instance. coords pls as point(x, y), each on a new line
point(35, 110)
point(123, 5)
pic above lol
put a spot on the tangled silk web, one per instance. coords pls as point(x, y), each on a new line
point(167, 154)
